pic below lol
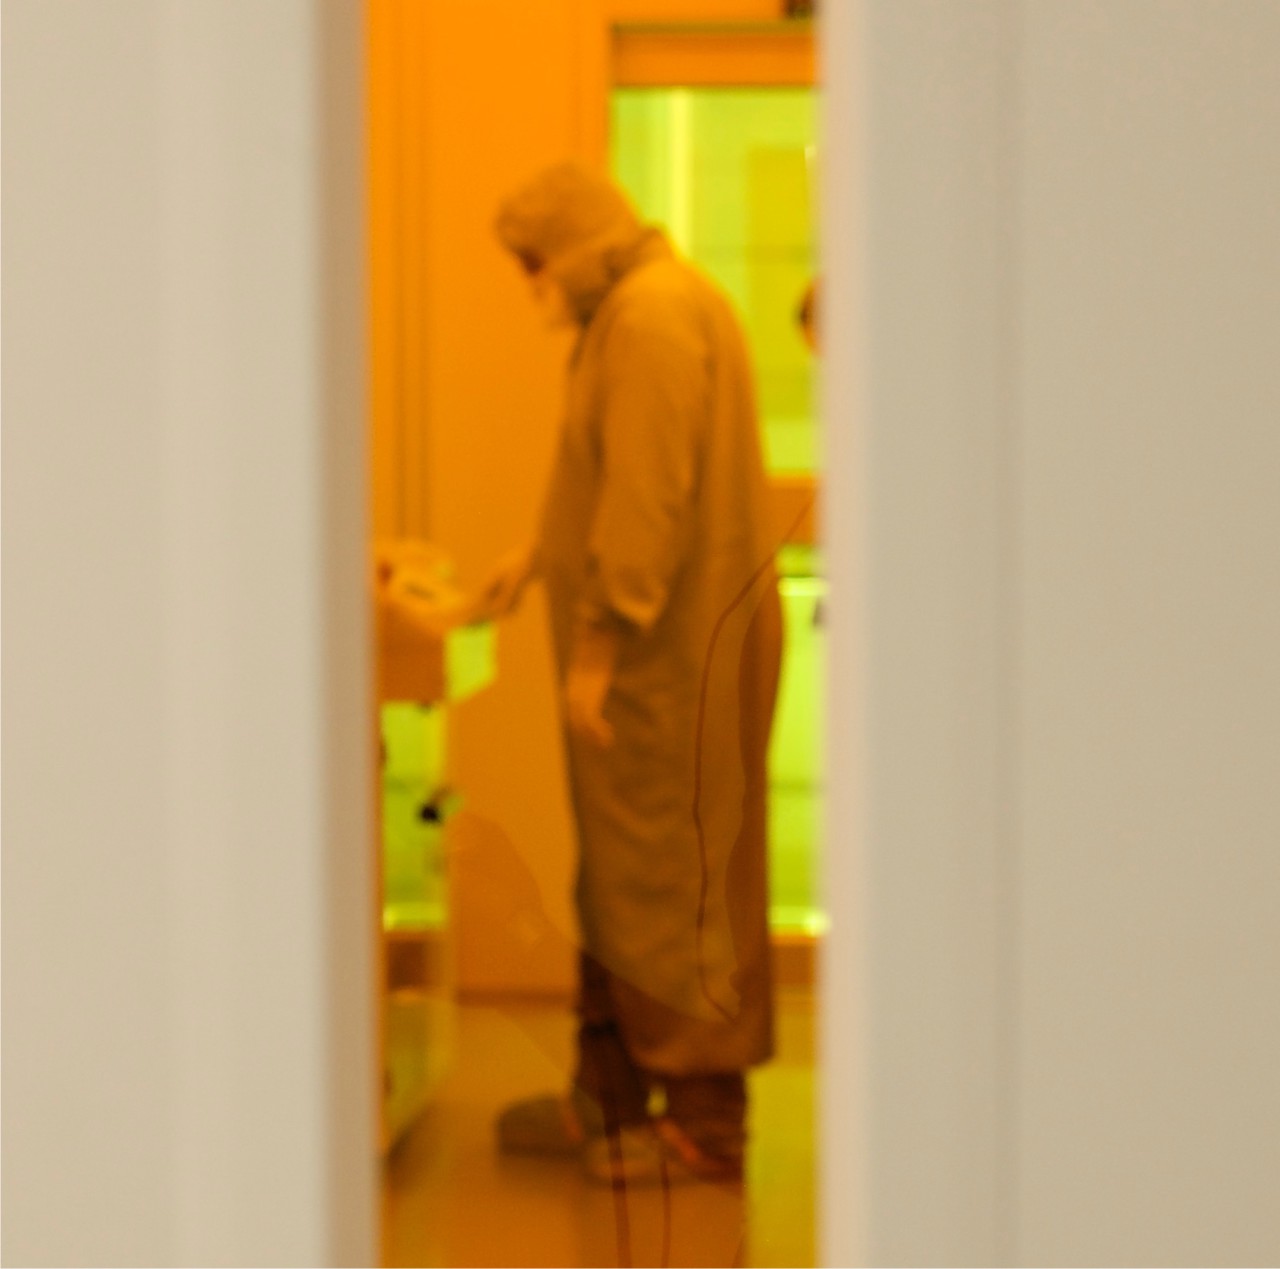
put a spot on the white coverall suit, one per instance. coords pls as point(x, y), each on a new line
point(656, 525)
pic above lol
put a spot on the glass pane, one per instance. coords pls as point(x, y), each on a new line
point(730, 173)
point(795, 753)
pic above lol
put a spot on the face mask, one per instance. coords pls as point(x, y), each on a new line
point(552, 302)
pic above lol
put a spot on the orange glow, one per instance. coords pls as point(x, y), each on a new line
point(465, 103)
point(711, 58)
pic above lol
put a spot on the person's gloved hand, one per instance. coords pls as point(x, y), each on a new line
point(501, 592)
point(587, 683)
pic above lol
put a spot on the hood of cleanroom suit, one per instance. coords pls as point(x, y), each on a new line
point(580, 227)
point(656, 522)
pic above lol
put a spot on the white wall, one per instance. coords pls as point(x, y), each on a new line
point(1149, 639)
point(1053, 1023)
point(187, 931)
point(917, 1045)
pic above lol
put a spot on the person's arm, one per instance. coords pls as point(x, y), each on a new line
point(501, 592)
point(656, 396)
point(657, 390)
point(593, 660)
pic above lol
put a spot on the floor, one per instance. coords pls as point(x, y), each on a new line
point(450, 1199)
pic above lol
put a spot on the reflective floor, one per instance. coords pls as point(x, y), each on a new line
point(450, 1199)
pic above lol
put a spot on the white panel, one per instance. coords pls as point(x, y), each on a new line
point(87, 1078)
point(1151, 580)
point(918, 355)
point(1054, 402)
point(187, 909)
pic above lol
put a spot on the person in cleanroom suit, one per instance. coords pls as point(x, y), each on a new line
point(656, 553)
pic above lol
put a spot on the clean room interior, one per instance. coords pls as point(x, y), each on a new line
point(706, 115)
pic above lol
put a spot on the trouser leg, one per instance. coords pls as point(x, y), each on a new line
point(711, 1110)
point(606, 1075)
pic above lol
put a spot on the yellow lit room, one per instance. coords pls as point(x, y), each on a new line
point(702, 114)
